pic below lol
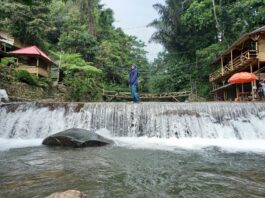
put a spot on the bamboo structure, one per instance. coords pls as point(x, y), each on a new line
point(33, 60)
point(247, 54)
point(175, 96)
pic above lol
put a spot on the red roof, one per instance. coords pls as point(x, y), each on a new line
point(32, 50)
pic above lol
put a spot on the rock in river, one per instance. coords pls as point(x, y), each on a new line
point(76, 138)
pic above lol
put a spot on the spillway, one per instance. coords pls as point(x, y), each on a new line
point(243, 121)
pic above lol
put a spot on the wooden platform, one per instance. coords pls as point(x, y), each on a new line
point(238, 64)
point(175, 96)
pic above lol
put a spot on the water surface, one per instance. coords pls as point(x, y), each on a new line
point(116, 171)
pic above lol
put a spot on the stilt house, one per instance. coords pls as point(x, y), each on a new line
point(247, 54)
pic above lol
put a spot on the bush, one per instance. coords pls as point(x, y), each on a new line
point(44, 83)
point(26, 77)
point(6, 66)
point(83, 89)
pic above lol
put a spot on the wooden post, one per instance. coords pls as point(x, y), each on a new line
point(49, 69)
point(232, 65)
point(224, 95)
point(258, 69)
point(237, 92)
point(252, 83)
point(254, 91)
point(222, 65)
point(38, 67)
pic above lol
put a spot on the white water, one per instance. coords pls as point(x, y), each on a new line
point(3, 95)
point(173, 144)
point(167, 126)
point(6, 144)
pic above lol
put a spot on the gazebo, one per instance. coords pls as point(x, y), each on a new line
point(33, 60)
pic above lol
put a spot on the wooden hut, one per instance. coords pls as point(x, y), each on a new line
point(33, 60)
point(246, 54)
point(8, 43)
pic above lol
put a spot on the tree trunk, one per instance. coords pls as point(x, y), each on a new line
point(218, 27)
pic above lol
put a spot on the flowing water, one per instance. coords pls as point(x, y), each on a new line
point(161, 150)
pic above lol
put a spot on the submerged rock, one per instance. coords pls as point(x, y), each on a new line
point(68, 194)
point(76, 138)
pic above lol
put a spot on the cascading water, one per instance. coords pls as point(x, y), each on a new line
point(242, 121)
point(216, 150)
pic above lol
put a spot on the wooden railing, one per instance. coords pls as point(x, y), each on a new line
point(238, 63)
point(110, 95)
point(34, 70)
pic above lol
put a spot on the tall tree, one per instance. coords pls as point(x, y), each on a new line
point(89, 11)
point(194, 32)
point(27, 23)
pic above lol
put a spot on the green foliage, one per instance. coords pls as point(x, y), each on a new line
point(26, 77)
point(26, 23)
point(75, 62)
point(83, 89)
point(44, 83)
point(89, 49)
point(79, 41)
point(193, 36)
point(98, 41)
point(8, 61)
point(170, 74)
point(6, 66)
point(83, 80)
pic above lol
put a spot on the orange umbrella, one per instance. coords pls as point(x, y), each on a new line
point(242, 77)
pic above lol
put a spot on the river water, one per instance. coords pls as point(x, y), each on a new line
point(161, 150)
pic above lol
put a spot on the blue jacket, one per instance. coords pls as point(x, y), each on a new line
point(133, 77)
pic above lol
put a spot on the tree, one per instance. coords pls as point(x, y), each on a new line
point(84, 81)
point(194, 32)
point(27, 23)
point(89, 11)
point(83, 27)
point(79, 41)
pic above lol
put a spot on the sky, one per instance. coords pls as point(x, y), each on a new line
point(133, 16)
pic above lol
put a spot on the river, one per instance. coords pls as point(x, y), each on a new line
point(161, 150)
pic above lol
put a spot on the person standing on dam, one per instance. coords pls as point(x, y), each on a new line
point(133, 82)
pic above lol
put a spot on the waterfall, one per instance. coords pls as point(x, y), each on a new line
point(243, 121)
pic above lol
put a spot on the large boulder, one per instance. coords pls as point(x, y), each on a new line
point(76, 138)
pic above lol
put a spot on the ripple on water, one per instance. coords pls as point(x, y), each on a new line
point(122, 172)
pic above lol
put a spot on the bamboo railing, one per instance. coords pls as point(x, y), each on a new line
point(111, 95)
point(237, 64)
point(34, 70)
